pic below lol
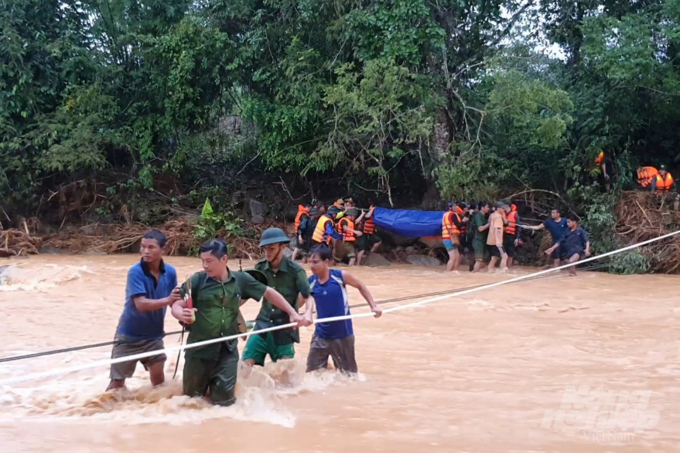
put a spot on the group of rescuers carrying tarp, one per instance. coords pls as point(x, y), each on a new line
point(491, 234)
point(341, 224)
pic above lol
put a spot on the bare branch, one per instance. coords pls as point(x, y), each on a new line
point(511, 23)
point(248, 163)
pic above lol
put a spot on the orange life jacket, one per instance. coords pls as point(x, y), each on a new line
point(448, 227)
point(646, 175)
point(599, 159)
point(369, 224)
point(320, 230)
point(347, 235)
point(301, 211)
point(511, 228)
point(460, 214)
point(663, 185)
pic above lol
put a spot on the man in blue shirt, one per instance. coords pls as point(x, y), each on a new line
point(151, 287)
point(574, 245)
point(558, 229)
point(328, 288)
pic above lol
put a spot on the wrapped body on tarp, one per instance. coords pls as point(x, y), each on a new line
point(409, 223)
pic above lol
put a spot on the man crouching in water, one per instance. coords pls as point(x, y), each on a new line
point(217, 293)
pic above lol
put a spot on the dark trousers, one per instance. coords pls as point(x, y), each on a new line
point(217, 376)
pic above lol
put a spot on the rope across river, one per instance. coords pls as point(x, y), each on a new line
point(178, 332)
point(437, 298)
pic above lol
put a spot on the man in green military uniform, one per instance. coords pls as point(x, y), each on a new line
point(217, 293)
point(290, 280)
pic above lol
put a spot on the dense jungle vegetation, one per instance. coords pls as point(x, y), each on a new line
point(110, 108)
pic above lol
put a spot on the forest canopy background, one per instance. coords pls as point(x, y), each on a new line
point(406, 102)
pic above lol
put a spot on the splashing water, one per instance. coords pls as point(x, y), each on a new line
point(473, 373)
point(18, 278)
point(260, 394)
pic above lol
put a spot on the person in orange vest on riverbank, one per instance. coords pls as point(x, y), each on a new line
point(324, 231)
point(663, 181)
point(451, 226)
point(303, 210)
point(347, 227)
point(301, 219)
point(511, 233)
point(601, 166)
point(369, 241)
point(646, 175)
point(460, 214)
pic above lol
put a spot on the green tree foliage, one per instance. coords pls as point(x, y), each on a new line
point(478, 99)
point(42, 52)
point(379, 117)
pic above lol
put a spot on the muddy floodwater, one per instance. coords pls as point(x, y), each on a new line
point(564, 364)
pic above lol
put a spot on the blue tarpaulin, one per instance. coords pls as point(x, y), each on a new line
point(409, 223)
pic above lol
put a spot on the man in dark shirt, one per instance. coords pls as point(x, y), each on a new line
point(574, 245)
point(558, 228)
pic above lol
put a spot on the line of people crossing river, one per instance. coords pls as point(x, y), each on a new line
point(208, 302)
point(208, 305)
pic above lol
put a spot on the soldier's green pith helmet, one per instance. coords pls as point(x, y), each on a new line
point(273, 236)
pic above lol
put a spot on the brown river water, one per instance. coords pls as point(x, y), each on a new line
point(484, 372)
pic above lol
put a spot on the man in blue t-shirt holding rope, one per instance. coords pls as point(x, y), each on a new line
point(151, 287)
point(557, 225)
point(328, 289)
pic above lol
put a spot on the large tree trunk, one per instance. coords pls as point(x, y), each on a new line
point(442, 135)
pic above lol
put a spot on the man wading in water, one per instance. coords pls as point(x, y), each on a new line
point(330, 296)
point(479, 229)
point(573, 246)
point(558, 229)
point(289, 279)
point(150, 288)
point(494, 240)
point(217, 294)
